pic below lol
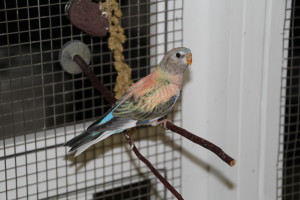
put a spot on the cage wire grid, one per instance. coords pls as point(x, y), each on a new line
point(288, 173)
point(42, 107)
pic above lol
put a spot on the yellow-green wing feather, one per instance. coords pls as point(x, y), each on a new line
point(148, 103)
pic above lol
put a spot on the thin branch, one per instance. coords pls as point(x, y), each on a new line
point(94, 80)
point(204, 143)
point(151, 167)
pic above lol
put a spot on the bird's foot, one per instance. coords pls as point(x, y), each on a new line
point(160, 122)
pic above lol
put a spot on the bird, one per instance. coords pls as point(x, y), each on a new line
point(144, 103)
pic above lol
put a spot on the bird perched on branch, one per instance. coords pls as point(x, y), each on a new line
point(145, 102)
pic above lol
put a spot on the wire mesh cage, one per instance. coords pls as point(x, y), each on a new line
point(288, 186)
point(42, 106)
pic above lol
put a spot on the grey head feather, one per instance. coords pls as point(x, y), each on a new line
point(175, 61)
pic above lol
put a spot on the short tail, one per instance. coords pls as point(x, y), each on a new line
point(86, 139)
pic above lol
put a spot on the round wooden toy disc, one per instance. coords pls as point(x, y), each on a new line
point(69, 50)
point(87, 16)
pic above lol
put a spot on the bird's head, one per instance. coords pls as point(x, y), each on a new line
point(176, 60)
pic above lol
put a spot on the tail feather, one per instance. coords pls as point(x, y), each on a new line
point(86, 139)
point(78, 139)
point(101, 137)
point(82, 140)
point(82, 148)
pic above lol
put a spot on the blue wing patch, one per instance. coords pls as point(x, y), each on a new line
point(108, 117)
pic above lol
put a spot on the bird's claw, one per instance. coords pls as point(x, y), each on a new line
point(161, 123)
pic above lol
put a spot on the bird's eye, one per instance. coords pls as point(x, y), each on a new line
point(178, 55)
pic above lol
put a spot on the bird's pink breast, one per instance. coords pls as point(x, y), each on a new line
point(160, 91)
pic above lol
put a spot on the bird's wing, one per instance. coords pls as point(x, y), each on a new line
point(148, 101)
point(109, 120)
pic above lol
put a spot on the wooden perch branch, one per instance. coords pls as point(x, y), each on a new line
point(198, 140)
point(94, 80)
point(204, 143)
point(151, 167)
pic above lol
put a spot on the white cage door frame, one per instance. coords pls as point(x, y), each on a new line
point(234, 83)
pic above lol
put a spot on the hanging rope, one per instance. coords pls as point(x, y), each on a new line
point(115, 44)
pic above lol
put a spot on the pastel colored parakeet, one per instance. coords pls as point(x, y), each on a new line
point(144, 103)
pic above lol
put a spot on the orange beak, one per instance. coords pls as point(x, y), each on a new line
point(189, 59)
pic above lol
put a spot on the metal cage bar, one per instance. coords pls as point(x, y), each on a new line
point(288, 175)
point(42, 106)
